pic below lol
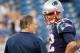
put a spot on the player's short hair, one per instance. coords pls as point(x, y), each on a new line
point(27, 20)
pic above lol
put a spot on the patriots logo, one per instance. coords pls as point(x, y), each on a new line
point(64, 25)
point(54, 3)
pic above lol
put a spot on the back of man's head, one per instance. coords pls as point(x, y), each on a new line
point(24, 22)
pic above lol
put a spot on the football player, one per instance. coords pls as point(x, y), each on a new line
point(62, 28)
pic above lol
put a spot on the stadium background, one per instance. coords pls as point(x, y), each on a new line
point(18, 8)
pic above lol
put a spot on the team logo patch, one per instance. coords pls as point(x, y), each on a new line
point(64, 25)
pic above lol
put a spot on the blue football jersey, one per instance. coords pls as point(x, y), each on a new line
point(64, 32)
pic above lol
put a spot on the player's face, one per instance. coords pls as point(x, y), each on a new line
point(52, 17)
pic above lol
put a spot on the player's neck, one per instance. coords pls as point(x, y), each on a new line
point(26, 30)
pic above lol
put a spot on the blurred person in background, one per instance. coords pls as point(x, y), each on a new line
point(33, 13)
point(62, 29)
point(10, 18)
point(6, 16)
point(2, 23)
point(2, 20)
point(3, 36)
point(3, 33)
point(15, 16)
point(25, 41)
point(3, 39)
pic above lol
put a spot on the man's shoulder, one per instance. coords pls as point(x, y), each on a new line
point(13, 39)
point(16, 38)
point(65, 25)
point(65, 20)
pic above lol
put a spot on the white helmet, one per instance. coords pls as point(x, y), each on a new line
point(54, 9)
point(51, 6)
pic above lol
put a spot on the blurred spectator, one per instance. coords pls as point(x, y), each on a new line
point(2, 10)
point(3, 40)
point(5, 17)
point(2, 25)
point(15, 16)
point(3, 33)
point(33, 13)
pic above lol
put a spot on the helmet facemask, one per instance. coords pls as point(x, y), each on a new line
point(52, 17)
